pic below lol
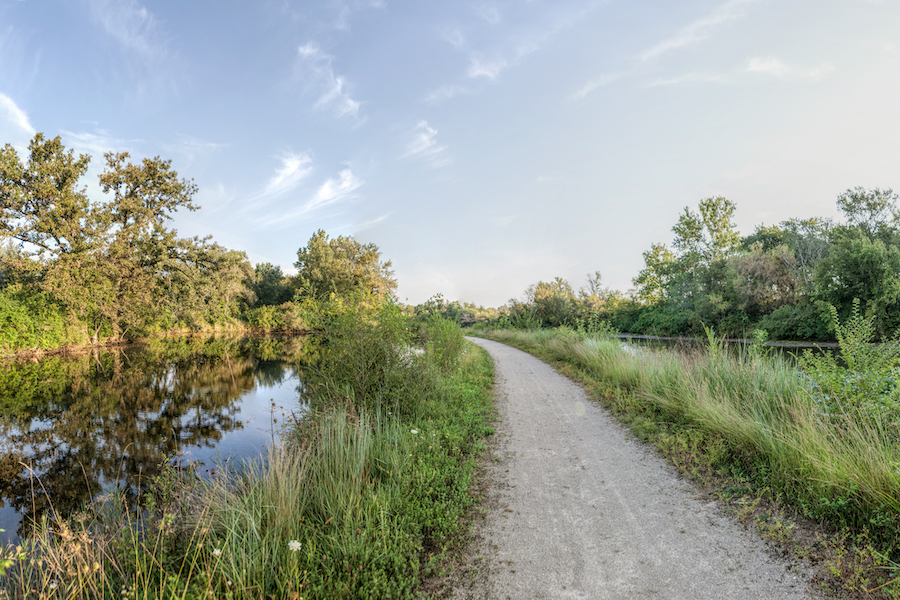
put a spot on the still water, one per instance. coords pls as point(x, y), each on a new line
point(73, 427)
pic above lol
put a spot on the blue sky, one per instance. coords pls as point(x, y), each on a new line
point(483, 146)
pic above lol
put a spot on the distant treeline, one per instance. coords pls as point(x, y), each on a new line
point(781, 281)
point(76, 271)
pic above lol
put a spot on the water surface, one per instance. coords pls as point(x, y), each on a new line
point(72, 427)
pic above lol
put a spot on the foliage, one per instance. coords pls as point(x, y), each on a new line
point(113, 265)
point(444, 343)
point(30, 319)
point(341, 266)
point(369, 360)
point(270, 285)
point(861, 384)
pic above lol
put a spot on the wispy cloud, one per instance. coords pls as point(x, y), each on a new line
point(695, 77)
point(594, 84)
point(776, 68)
point(333, 191)
point(15, 115)
point(346, 10)
point(489, 69)
point(698, 30)
point(191, 147)
point(294, 169)
point(370, 223)
point(454, 37)
point(489, 14)
point(332, 88)
point(98, 143)
point(445, 92)
point(132, 25)
point(424, 146)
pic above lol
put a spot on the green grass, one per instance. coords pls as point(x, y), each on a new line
point(753, 424)
point(360, 501)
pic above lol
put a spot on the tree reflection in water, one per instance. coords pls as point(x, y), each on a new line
point(116, 416)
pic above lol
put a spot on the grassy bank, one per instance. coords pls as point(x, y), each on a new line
point(751, 430)
point(366, 492)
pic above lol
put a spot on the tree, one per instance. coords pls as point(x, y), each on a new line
point(342, 266)
point(653, 280)
point(708, 236)
point(762, 279)
point(114, 264)
point(270, 285)
point(553, 302)
point(40, 202)
point(870, 211)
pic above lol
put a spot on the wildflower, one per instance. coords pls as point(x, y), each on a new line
point(294, 545)
point(217, 552)
point(414, 431)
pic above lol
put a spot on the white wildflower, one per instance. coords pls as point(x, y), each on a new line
point(217, 552)
point(294, 545)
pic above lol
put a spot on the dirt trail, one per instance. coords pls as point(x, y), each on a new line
point(583, 510)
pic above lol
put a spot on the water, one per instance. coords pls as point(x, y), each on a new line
point(73, 427)
point(787, 351)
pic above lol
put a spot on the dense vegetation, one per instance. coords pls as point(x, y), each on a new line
point(780, 281)
point(75, 270)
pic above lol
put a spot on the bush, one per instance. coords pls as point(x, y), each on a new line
point(368, 360)
point(865, 386)
point(444, 343)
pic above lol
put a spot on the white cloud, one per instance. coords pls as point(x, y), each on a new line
point(777, 68)
point(424, 146)
point(445, 92)
point(15, 115)
point(333, 191)
point(698, 30)
point(486, 69)
point(592, 85)
point(454, 37)
point(332, 87)
point(294, 169)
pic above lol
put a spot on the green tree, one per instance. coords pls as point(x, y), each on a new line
point(342, 266)
point(114, 264)
point(270, 285)
point(708, 236)
point(41, 204)
point(653, 280)
point(870, 211)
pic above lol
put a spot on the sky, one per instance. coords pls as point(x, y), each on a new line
point(483, 146)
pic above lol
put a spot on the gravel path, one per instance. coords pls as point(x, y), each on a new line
point(584, 510)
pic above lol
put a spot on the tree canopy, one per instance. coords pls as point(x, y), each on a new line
point(113, 264)
point(341, 266)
